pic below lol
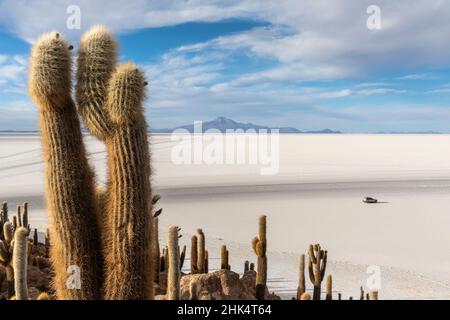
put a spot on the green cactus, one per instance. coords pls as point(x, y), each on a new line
point(69, 179)
point(259, 245)
point(20, 254)
point(301, 288)
point(317, 265)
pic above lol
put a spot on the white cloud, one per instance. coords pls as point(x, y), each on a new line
point(418, 76)
point(12, 73)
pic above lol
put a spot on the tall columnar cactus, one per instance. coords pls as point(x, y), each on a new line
point(110, 102)
point(301, 288)
point(259, 245)
point(317, 265)
point(6, 250)
point(69, 179)
point(173, 276)
point(329, 287)
point(20, 255)
point(224, 256)
point(194, 254)
point(201, 251)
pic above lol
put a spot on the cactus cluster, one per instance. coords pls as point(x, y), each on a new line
point(18, 252)
point(107, 234)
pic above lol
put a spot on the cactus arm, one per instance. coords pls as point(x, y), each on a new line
point(96, 62)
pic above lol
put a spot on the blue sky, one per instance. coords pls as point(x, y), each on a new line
point(309, 64)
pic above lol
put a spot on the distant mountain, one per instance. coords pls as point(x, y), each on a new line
point(409, 132)
point(222, 124)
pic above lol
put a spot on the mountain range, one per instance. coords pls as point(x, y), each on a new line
point(222, 124)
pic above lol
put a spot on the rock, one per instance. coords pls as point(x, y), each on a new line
point(219, 285)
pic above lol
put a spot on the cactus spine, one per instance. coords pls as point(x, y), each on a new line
point(259, 245)
point(201, 251)
point(194, 254)
point(329, 287)
point(301, 288)
point(224, 255)
point(316, 266)
point(20, 255)
point(173, 277)
point(69, 180)
point(110, 101)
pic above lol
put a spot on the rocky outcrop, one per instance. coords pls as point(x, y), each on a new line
point(221, 285)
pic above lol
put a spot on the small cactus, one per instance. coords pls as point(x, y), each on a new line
point(373, 295)
point(201, 256)
point(193, 295)
point(316, 266)
point(20, 255)
point(35, 237)
point(6, 250)
point(194, 254)
point(301, 288)
point(259, 245)
point(246, 266)
point(224, 256)
point(329, 287)
point(173, 277)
